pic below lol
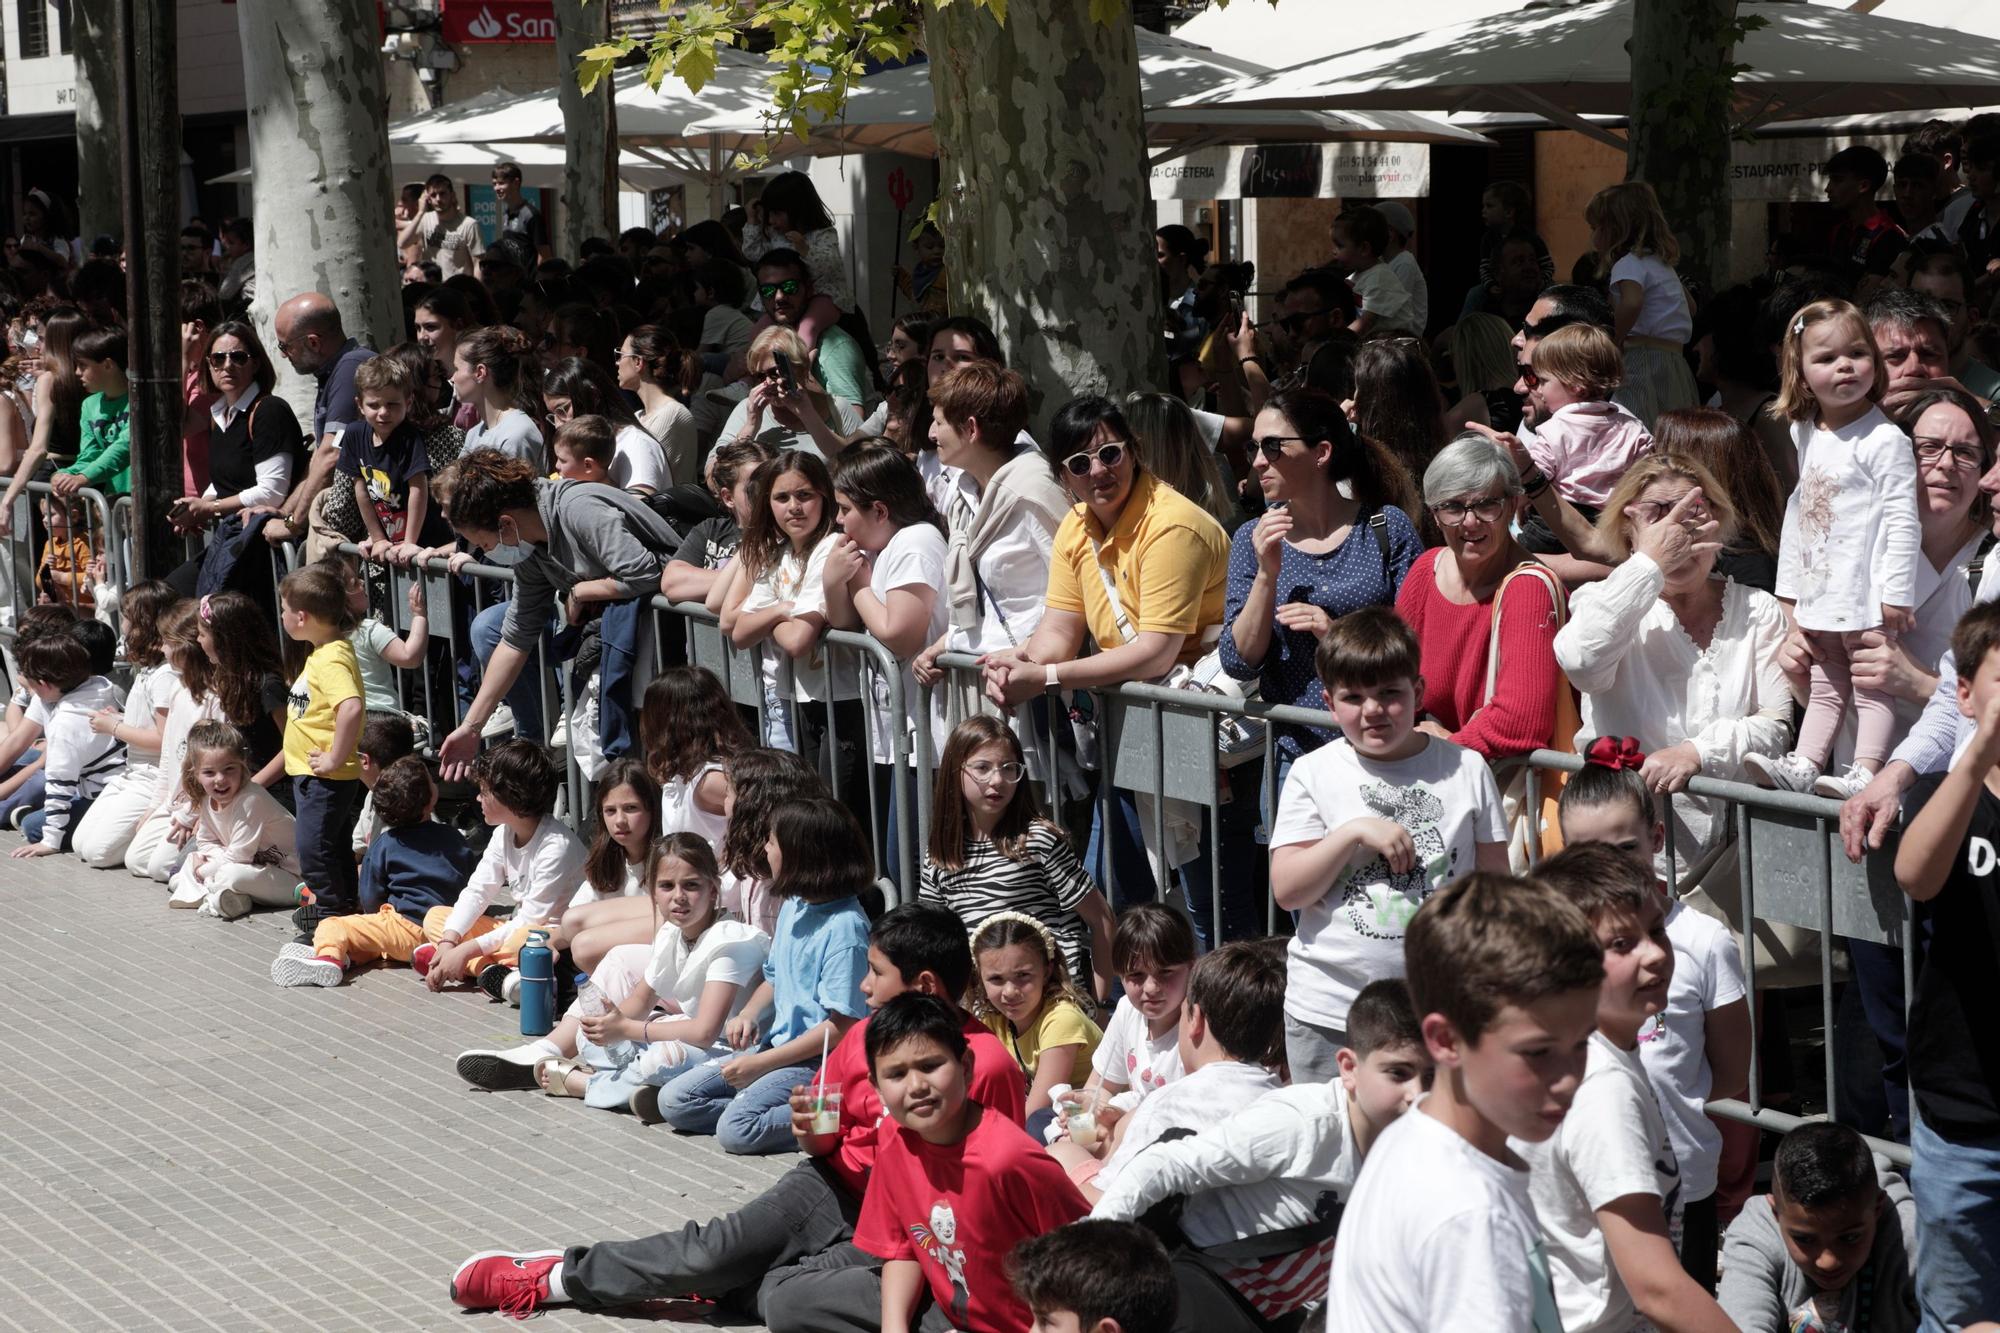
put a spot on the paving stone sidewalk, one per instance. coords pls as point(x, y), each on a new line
point(185, 1146)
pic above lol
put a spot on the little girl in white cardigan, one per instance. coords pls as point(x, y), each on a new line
point(243, 853)
point(1847, 560)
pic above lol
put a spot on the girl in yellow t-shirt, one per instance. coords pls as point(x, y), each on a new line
point(1022, 992)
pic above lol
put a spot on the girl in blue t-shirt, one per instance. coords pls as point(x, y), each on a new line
point(820, 865)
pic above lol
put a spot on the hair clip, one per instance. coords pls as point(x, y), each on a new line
point(1615, 753)
point(205, 610)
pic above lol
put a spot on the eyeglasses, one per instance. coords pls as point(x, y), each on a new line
point(1110, 455)
point(983, 770)
point(239, 357)
point(1273, 446)
point(559, 416)
point(1962, 455)
point(790, 287)
point(627, 355)
point(1656, 510)
point(1453, 512)
point(1294, 322)
point(1528, 376)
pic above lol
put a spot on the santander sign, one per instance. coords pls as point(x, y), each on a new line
point(499, 21)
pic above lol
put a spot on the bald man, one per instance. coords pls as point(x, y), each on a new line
point(311, 338)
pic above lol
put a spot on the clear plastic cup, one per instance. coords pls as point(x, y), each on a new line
point(826, 1111)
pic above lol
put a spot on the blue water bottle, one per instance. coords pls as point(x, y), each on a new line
point(537, 964)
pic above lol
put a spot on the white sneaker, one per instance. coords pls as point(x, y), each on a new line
point(505, 1071)
point(1791, 772)
point(510, 988)
point(308, 971)
point(500, 724)
point(296, 950)
point(1845, 785)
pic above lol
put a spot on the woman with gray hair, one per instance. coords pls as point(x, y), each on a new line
point(1484, 610)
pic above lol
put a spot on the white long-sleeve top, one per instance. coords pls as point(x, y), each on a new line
point(1851, 539)
point(542, 874)
point(77, 761)
point(1257, 1171)
point(251, 830)
point(1642, 676)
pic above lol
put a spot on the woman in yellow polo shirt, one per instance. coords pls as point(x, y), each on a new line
point(1140, 569)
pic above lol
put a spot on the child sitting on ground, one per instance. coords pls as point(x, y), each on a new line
point(1368, 827)
point(955, 1187)
point(690, 731)
point(915, 948)
point(1021, 990)
point(820, 864)
point(1829, 1248)
point(1094, 1277)
point(322, 728)
point(1231, 1040)
point(1584, 442)
point(1152, 952)
point(105, 832)
point(761, 783)
point(1439, 1226)
point(415, 864)
point(158, 845)
point(1606, 1187)
point(385, 738)
point(696, 976)
point(1700, 1047)
point(241, 850)
point(532, 856)
point(1266, 1167)
point(78, 762)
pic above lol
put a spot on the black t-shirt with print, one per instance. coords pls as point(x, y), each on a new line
point(1954, 1044)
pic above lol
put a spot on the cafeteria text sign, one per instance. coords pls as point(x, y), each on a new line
point(1297, 171)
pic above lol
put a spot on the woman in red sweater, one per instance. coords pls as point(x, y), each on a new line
point(1473, 489)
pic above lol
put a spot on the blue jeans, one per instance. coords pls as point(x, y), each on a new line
point(31, 826)
point(755, 1121)
point(525, 698)
point(29, 796)
point(616, 1074)
point(1957, 1187)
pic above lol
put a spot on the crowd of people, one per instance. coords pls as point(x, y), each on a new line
point(1075, 1078)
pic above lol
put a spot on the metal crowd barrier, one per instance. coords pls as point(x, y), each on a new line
point(23, 557)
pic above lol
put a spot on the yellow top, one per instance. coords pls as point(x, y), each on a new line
point(1057, 1023)
point(331, 676)
point(1168, 556)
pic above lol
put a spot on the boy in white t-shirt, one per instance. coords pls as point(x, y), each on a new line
point(1606, 1187)
point(1367, 828)
point(1439, 1232)
point(1699, 1047)
point(1360, 240)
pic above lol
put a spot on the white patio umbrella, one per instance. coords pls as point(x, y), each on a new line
point(1566, 61)
point(541, 165)
point(892, 112)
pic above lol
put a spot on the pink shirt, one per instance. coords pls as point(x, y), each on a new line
point(1586, 447)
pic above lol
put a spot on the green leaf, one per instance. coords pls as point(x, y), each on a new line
point(1106, 12)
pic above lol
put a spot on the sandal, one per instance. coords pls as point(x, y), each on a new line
point(553, 1075)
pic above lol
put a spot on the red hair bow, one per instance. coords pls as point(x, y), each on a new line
point(1615, 752)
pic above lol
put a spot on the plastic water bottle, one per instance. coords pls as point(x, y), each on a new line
point(537, 964)
point(591, 1003)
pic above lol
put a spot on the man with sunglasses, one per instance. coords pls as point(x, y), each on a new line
point(786, 285)
point(1557, 307)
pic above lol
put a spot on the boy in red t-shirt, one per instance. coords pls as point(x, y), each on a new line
point(955, 1188)
point(735, 1259)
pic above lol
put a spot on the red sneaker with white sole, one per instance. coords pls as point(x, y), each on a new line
point(421, 958)
point(516, 1285)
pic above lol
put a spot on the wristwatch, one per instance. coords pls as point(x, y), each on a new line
point(1049, 681)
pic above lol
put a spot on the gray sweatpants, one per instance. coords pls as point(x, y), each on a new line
point(838, 1291)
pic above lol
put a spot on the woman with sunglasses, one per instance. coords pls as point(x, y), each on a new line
point(1140, 569)
point(803, 415)
point(651, 365)
point(1336, 536)
point(254, 436)
point(1453, 598)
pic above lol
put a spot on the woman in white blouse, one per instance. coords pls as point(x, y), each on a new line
point(1668, 653)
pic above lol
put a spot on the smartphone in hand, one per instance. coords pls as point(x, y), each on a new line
point(788, 381)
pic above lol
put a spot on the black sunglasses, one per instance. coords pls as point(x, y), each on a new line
point(1273, 446)
point(790, 287)
point(1110, 455)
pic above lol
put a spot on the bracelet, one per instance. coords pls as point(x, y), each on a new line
point(1534, 484)
point(1256, 361)
point(645, 1029)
